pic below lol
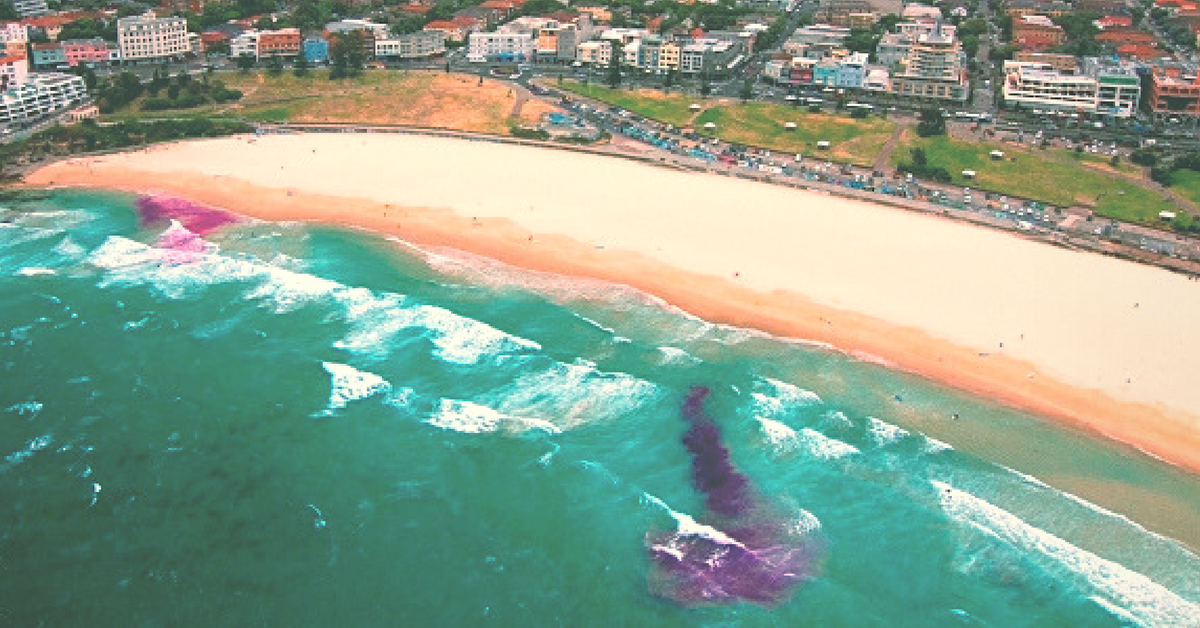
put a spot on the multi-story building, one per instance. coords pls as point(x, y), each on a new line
point(244, 45)
point(668, 56)
point(145, 37)
point(501, 46)
point(711, 57)
point(451, 31)
point(934, 68)
point(48, 55)
point(1175, 90)
point(283, 42)
point(1040, 86)
point(1064, 64)
point(14, 70)
point(557, 41)
point(30, 8)
point(893, 48)
point(1103, 87)
point(597, 53)
point(85, 51)
point(14, 31)
point(380, 31)
point(416, 45)
point(768, 6)
point(877, 79)
point(1036, 32)
point(851, 71)
point(39, 96)
point(1052, 8)
point(925, 26)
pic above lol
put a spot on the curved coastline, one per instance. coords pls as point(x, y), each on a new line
point(741, 274)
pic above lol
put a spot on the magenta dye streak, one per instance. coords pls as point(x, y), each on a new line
point(763, 557)
point(198, 219)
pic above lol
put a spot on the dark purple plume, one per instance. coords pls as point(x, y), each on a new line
point(198, 219)
point(745, 550)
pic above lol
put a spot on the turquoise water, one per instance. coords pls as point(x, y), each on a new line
point(286, 425)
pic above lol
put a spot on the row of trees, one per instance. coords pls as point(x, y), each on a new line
point(163, 91)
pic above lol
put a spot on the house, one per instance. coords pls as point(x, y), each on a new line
point(86, 51)
point(416, 45)
point(316, 50)
point(48, 55)
point(14, 70)
point(1175, 90)
point(449, 30)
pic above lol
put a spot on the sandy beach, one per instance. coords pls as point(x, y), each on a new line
point(1099, 342)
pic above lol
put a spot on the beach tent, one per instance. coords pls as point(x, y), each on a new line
point(694, 107)
point(823, 144)
point(710, 125)
point(1165, 215)
point(996, 154)
point(789, 125)
point(968, 174)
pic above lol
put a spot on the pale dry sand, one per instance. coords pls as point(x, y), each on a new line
point(1105, 343)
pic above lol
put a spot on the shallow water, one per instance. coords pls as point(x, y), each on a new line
point(286, 425)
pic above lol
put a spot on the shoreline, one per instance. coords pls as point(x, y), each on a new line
point(1169, 433)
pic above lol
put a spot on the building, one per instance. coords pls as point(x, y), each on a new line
point(148, 38)
point(451, 31)
point(768, 6)
point(1175, 91)
point(283, 42)
point(86, 51)
point(1052, 8)
point(30, 8)
point(916, 28)
point(39, 96)
point(668, 56)
point(1040, 86)
point(316, 50)
point(598, 53)
point(892, 49)
point(920, 11)
point(1036, 32)
point(48, 55)
point(14, 31)
point(380, 31)
point(1063, 64)
point(877, 79)
point(851, 71)
point(14, 70)
point(710, 56)
point(416, 45)
point(501, 47)
point(1103, 87)
point(934, 68)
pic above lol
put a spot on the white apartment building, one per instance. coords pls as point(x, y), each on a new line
point(30, 8)
point(501, 46)
point(41, 95)
point(14, 31)
point(1101, 88)
point(147, 37)
point(14, 70)
point(412, 46)
point(346, 26)
point(1038, 85)
point(668, 56)
point(244, 45)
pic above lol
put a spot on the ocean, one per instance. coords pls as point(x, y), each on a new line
point(214, 421)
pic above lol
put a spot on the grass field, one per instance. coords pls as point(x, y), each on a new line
point(668, 108)
point(762, 124)
point(755, 124)
point(429, 99)
point(1055, 177)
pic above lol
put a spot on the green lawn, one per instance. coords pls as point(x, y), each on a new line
point(1186, 183)
point(762, 124)
point(1051, 177)
point(668, 108)
point(755, 124)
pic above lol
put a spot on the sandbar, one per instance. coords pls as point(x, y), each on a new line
point(1103, 343)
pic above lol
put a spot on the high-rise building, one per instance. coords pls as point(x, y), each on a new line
point(29, 8)
point(934, 68)
point(146, 37)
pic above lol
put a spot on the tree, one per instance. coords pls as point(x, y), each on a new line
point(300, 67)
point(614, 65)
point(669, 79)
point(747, 91)
point(245, 62)
point(932, 123)
point(705, 88)
point(275, 65)
point(918, 156)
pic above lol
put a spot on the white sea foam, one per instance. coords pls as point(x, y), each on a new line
point(350, 384)
point(23, 454)
point(884, 433)
point(821, 446)
point(29, 408)
point(779, 434)
point(572, 394)
point(688, 526)
point(672, 356)
point(473, 418)
point(1141, 599)
point(775, 399)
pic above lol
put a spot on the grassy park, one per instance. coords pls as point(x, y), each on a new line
point(1057, 177)
point(754, 124)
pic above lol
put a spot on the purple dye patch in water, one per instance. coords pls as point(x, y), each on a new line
point(748, 551)
point(197, 219)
